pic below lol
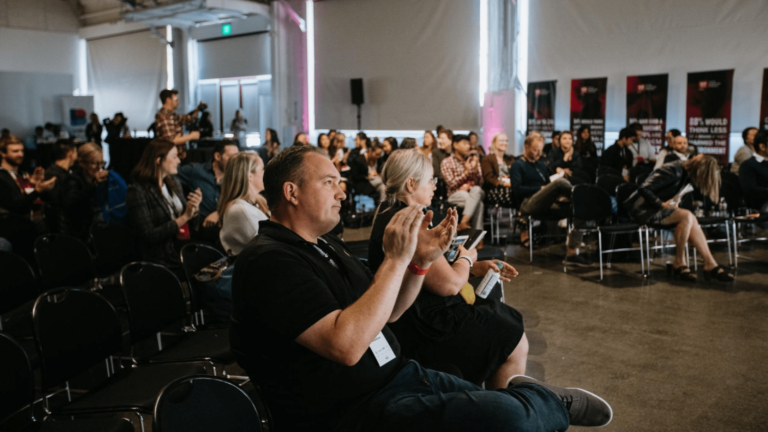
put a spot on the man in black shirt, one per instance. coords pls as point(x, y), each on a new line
point(310, 323)
point(618, 157)
point(64, 157)
point(753, 174)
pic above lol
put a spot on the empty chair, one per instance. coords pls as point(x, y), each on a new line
point(205, 403)
point(155, 300)
point(64, 261)
point(115, 246)
point(17, 392)
point(77, 330)
point(19, 285)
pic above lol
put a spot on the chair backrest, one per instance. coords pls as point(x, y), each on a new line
point(153, 297)
point(115, 247)
point(19, 284)
point(623, 191)
point(194, 257)
point(63, 261)
point(609, 182)
point(16, 379)
point(205, 403)
point(590, 203)
point(75, 329)
point(731, 190)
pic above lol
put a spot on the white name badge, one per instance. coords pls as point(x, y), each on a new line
point(381, 350)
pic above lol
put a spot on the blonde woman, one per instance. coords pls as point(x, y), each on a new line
point(240, 202)
point(495, 169)
point(447, 325)
point(654, 202)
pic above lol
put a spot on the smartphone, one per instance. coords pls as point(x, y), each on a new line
point(453, 250)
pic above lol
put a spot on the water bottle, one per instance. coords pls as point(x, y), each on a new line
point(723, 207)
point(489, 281)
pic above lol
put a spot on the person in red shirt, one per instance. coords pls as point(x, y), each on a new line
point(464, 180)
point(169, 123)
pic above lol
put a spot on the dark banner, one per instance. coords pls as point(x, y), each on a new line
point(541, 107)
point(647, 105)
point(588, 108)
point(708, 112)
point(764, 103)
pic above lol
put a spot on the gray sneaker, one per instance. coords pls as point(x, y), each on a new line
point(585, 408)
point(578, 260)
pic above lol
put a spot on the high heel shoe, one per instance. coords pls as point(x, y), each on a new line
point(682, 274)
point(720, 273)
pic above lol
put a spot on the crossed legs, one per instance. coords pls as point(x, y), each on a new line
point(689, 230)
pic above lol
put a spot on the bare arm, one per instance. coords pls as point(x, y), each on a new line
point(447, 280)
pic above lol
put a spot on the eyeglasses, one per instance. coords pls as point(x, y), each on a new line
point(433, 180)
point(98, 164)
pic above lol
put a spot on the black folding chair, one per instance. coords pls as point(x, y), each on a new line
point(17, 394)
point(593, 204)
point(64, 261)
point(75, 331)
point(115, 246)
point(205, 403)
point(155, 301)
point(609, 183)
point(194, 257)
point(18, 288)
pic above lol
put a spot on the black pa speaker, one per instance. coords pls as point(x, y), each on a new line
point(356, 85)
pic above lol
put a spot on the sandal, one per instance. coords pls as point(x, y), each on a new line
point(684, 273)
point(720, 273)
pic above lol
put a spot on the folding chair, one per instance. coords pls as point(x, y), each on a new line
point(19, 286)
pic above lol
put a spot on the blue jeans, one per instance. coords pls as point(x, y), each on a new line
point(420, 399)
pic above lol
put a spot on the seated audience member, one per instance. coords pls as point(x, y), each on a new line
point(667, 148)
point(388, 145)
point(540, 197)
point(428, 145)
point(301, 139)
point(271, 146)
point(587, 151)
point(207, 177)
point(618, 158)
point(410, 143)
point(474, 145)
point(495, 169)
point(241, 203)
point(78, 191)
point(361, 143)
point(464, 181)
point(310, 324)
point(324, 143)
point(746, 151)
point(447, 324)
point(340, 151)
point(94, 129)
point(554, 144)
point(157, 210)
point(678, 151)
point(564, 159)
point(64, 156)
point(642, 151)
point(753, 174)
point(363, 173)
point(653, 203)
point(442, 151)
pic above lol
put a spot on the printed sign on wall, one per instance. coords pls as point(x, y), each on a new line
point(708, 112)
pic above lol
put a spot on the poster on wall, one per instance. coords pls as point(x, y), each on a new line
point(764, 103)
point(588, 108)
point(541, 107)
point(75, 111)
point(647, 105)
point(708, 112)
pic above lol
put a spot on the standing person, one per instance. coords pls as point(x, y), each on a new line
point(169, 123)
point(271, 146)
point(239, 126)
point(207, 177)
point(653, 203)
point(206, 126)
point(442, 151)
point(94, 129)
point(495, 169)
point(157, 210)
point(746, 151)
point(311, 324)
point(117, 127)
point(78, 191)
point(464, 180)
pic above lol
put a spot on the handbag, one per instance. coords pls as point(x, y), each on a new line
point(213, 271)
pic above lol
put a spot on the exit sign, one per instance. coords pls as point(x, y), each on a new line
point(226, 29)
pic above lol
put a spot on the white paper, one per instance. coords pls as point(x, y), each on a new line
point(381, 350)
point(557, 176)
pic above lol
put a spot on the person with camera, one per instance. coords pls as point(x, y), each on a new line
point(169, 123)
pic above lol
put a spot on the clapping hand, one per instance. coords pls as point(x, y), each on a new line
point(434, 242)
point(193, 203)
point(38, 180)
point(401, 233)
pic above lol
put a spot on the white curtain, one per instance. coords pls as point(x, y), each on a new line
point(419, 61)
point(126, 74)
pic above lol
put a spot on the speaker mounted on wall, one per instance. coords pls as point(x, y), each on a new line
point(356, 85)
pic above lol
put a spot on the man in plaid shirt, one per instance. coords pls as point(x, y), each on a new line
point(464, 179)
point(169, 123)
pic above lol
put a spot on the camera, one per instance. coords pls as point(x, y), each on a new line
point(202, 106)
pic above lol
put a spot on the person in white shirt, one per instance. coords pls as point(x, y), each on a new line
point(240, 202)
point(664, 152)
point(641, 149)
point(746, 151)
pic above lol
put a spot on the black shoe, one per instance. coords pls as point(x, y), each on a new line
point(578, 260)
point(584, 408)
point(720, 273)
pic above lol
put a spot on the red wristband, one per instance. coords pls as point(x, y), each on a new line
point(418, 271)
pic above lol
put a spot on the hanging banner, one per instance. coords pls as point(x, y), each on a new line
point(647, 105)
point(764, 103)
point(588, 108)
point(541, 107)
point(708, 112)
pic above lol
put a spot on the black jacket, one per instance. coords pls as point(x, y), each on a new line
point(662, 185)
point(77, 196)
point(12, 199)
point(753, 176)
point(617, 157)
point(358, 174)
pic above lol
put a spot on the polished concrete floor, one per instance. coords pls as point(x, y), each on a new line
point(668, 355)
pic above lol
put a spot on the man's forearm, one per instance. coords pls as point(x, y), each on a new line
point(181, 139)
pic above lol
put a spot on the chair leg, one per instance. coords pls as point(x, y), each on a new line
point(642, 258)
point(735, 246)
point(728, 242)
point(695, 260)
point(610, 247)
point(530, 239)
point(600, 251)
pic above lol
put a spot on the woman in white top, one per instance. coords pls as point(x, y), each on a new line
point(240, 202)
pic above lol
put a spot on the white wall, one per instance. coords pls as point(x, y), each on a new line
point(616, 38)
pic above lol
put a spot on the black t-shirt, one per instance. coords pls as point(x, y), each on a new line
point(282, 285)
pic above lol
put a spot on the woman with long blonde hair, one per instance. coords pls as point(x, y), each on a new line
point(240, 203)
